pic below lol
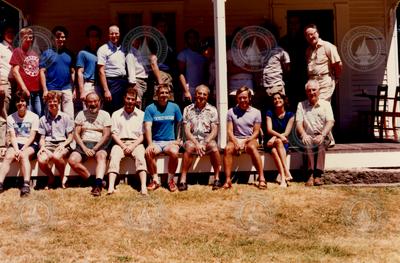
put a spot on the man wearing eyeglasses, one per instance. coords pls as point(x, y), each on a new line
point(323, 64)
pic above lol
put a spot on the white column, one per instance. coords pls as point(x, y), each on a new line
point(221, 68)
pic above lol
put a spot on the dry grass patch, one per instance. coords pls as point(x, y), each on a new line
point(297, 224)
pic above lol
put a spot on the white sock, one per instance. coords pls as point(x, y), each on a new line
point(156, 179)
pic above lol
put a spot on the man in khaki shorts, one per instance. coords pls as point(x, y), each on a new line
point(56, 130)
point(127, 133)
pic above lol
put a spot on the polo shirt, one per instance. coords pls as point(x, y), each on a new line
point(243, 121)
point(113, 59)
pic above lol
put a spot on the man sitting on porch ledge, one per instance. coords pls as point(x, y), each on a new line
point(314, 118)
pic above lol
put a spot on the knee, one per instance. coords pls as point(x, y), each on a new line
point(74, 161)
point(43, 158)
point(101, 156)
point(229, 149)
point(278, 142)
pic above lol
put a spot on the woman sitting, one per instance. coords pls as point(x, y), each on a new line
point(279, 125)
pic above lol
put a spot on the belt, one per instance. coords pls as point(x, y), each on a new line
point(127, 139)
point(117, 77)
point(318, 75)
point(89, 80)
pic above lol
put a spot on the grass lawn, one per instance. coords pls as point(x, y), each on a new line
point(298, 224)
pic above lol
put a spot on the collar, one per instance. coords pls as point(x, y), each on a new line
point(247, 110)
point(204, 108)
point(319, 43)
point(50, 117)
point(134, 112)
point(317, 104)
point(113, 47)
point(7, 45)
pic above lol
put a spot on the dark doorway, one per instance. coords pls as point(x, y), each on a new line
point(296, 45)
point(9, 16)
point(128, 21)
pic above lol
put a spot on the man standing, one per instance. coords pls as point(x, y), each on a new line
point(25, 68)
point(314, 121)
point(192, 65)
point(127, 132)
point(6, 49)
point(323, 62)
point(200, 121)
point(112, 72)
point(57, 70)
point(161, 119)
point(243, 128)
point(86, 62)
point(92, 136)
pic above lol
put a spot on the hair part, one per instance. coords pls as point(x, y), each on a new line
point(20, 95)
point(243, 89)
point(312, 83)
point(131, 91)
point(202, 86)
point(25, 31)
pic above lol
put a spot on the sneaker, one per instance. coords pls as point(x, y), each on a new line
point(25, 191)
point(217, 185)
point(182, 187)
point(1, 188)
point(318, 181)
point(172, 186)
point(153, 185)
point(96, 191)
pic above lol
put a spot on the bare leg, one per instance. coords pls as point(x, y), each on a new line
point(142, 176)
point(25, 163)
point(228, 160)
point(172, 151)
point(101, 158)
point(75, 161)
point(5, 165)
point(278, 164)
point(186, 162)
point(251, 149)
point(282, 155)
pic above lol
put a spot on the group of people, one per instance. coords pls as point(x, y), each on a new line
point(114, 86)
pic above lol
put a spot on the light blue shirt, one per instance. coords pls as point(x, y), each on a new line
point(113, 60)
point(87, 61)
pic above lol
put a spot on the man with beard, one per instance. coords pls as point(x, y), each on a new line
point(127, 133)
point(92, 135)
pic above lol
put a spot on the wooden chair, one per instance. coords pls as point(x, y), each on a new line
point(377, 118)
point(394, 113)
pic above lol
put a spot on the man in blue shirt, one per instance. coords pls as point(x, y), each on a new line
point(57, 70)
point(160, 122)
point(86, 62)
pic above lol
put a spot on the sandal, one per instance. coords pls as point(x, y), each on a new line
point(227, 185)
point(262, 185)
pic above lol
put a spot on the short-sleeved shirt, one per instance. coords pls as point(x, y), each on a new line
point(113, 60)
point(136, 65)
point(23, 127)
point(5, 56)
point(56, 129)
point(127, 126)
point(163, 120)
point(92, 124)
point(195, 68)
point(28, 63)
point(317, 59)
point(314, 117)
point(200, 120)
point(273, 71)
point(58, 68)
point(87, 61)
point(243, 121)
